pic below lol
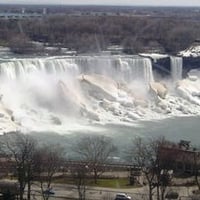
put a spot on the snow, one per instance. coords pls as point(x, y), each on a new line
point(154, 56)
point(192, 51)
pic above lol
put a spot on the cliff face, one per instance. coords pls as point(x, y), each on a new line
point(162, 66)
point(190, 63)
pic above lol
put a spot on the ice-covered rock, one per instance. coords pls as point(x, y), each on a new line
point(192, 77)
point(89, 114)
point(88, 88)
point(132, 115)
point(189, 90)
point(192, 51)
point(99, 86)
point(7, 122)
point(158, 89)
point(141, 102)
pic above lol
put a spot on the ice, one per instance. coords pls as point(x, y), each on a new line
point(62, 94)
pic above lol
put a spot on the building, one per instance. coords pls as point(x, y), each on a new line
point(9, 190)
point(19, 16)
point(181, 158)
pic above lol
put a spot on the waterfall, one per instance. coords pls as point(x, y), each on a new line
point(57, 93)
point(42, 93)
point(176, 68)
point(118, 68)
point(20, 68)
point(137, 69)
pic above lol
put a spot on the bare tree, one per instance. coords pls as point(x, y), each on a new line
point(20, 148)
point(196, 166)
point(96, 151)
point(144, 157)
point(144, 153)
point(165, 178)
point(80, 176)
point(47, 162)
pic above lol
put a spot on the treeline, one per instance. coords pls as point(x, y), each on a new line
point(157, 161)
point(31, 162)
point(95, 33)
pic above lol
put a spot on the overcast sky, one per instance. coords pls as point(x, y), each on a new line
point(111, 2)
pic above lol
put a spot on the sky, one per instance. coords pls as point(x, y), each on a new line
point(109, 2)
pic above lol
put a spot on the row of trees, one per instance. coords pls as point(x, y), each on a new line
point(95, 33)
point(145, 153)
point(34, 163)
point(31, 162)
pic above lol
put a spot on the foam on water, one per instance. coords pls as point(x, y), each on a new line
point(71, 93)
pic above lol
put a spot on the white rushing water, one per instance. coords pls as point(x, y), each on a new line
point(176, 68)
point(69, 93)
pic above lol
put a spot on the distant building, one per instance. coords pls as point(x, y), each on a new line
point(6, 166)
point(44, 12)
point(179, 157)
point(115, 49)
point(18, 16)
point(197, 41)
point(23, 10)
point(9, 190)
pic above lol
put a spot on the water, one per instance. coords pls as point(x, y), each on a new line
point(176, 68)
point(173, 129)
point(86, 93)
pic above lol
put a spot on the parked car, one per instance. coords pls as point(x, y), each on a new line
point(122, 196)
point(49, 191)
point(172, 195)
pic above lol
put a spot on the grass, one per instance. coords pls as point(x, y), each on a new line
point(112, 183)
point(108, 183)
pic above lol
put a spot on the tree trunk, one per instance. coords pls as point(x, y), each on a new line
point(150, 193)
point(163, 195)
point(162, 191)
point(196, 171)
point(21, 191)
point(29, 191)
point(158, 192)
point(197, 180)
point(95, 175)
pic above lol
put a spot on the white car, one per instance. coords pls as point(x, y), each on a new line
point(122, 196)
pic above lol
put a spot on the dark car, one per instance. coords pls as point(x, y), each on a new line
point(122, 196)
point(49, 191)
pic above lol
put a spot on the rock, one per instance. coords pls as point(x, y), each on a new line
point(132, 115)
point(114, 107)
point(141, 102)
point(122, 94)
point(162, 105)
point(192, 78)
point(1, 97)
point(56, 120)
point(89, 114)
point(99, 86)
point(105, 104)
point(158, 89)
point(126, 103)
point(93, 116)
point(189, 91)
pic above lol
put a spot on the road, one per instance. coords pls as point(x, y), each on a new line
point(64, 191)
point(94, 193)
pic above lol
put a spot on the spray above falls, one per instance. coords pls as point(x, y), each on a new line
point(66, 93)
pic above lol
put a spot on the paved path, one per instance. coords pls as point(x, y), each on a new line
point(98, 193)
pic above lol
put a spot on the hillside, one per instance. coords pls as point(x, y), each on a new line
point(136, 30)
